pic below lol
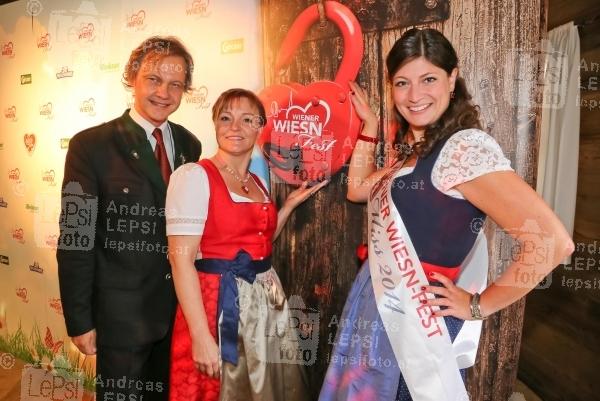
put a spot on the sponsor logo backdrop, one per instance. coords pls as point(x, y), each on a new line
point(60, 72)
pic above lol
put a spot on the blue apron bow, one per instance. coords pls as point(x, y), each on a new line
point(241, 266)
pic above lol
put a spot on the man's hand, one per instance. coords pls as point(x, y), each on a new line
point(86, 342)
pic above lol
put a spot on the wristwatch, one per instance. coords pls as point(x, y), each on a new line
point(475, 311)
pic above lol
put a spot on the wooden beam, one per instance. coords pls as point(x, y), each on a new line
point(589, 104)
point(589, 36)
point(563, 11)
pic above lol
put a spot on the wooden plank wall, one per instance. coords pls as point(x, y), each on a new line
point(560, 349)
point(314, 255)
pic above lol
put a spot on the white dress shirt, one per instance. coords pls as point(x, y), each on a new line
point(149, 128)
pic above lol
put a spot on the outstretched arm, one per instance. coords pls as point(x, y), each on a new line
point(295, 198)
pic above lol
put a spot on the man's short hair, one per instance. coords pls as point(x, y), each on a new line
point(155, 49)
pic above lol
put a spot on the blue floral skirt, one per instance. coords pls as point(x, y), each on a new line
point(362, 365)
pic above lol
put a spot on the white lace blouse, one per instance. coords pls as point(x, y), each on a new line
point(186, 206)
point(468, 154)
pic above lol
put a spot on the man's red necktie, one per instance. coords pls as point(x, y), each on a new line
point(161, 155)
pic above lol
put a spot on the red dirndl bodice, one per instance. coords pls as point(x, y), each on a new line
point(230, 226)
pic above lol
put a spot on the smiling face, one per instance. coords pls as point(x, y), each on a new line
point(158, 88)
point(237, 126)
point(421, 93)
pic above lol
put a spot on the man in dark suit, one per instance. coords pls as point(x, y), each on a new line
point(115, 278)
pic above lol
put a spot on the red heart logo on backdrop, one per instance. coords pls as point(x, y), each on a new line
point(200, 4)
point(137, 19)
point(29, 140)
point(44, 40)
point(140, 16)
point(310, 131)
point(22, 293)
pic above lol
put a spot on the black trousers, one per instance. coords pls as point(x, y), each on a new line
point(133, 374)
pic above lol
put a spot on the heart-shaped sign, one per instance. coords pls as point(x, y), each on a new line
point(46, 109)
point(200, 4)
point(136, 19)
point(29, 140)
point(86, 32)
point(140, 17)
point(44, 41)
point(11, 113)
point(310, 131)
point(198, 96)
point(49, 176)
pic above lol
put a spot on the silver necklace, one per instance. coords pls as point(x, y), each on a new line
point(242, 181)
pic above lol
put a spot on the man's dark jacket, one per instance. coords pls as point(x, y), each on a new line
point(122, 285)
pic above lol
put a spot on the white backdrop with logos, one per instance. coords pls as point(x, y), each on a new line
point(61, 64)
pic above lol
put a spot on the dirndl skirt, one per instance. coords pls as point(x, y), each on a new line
point(264, 335)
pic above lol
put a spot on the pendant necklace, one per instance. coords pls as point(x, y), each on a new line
point(242, 181)
point(407, 149)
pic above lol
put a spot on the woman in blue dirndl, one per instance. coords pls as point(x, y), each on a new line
point(447, 176)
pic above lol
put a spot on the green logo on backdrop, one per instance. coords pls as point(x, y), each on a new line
point(232, 46)
point(26, 79)
point(108, 67)
point(32, 208)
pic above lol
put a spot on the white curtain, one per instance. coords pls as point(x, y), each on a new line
point(559, 141)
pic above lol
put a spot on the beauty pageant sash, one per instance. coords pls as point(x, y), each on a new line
point(428, 360)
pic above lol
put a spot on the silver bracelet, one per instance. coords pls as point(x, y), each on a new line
point(475, 310)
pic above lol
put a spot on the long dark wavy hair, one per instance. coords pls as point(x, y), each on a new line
point(435, 48)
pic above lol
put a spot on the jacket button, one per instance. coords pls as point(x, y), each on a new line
point(260, 233)
point(168, 276)
point(264, 208)
point(126, 190)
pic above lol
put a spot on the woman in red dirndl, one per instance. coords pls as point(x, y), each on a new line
point(232, 325)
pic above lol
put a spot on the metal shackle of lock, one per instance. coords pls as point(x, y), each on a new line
point(348, 25)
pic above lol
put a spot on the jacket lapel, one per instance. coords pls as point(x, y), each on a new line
point(180, 142)
point(134, 143)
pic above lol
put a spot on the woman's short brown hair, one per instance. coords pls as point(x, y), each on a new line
point(156, 48)
point(230, 95)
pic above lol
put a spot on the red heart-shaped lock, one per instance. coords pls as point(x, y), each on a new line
point(311, 131)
